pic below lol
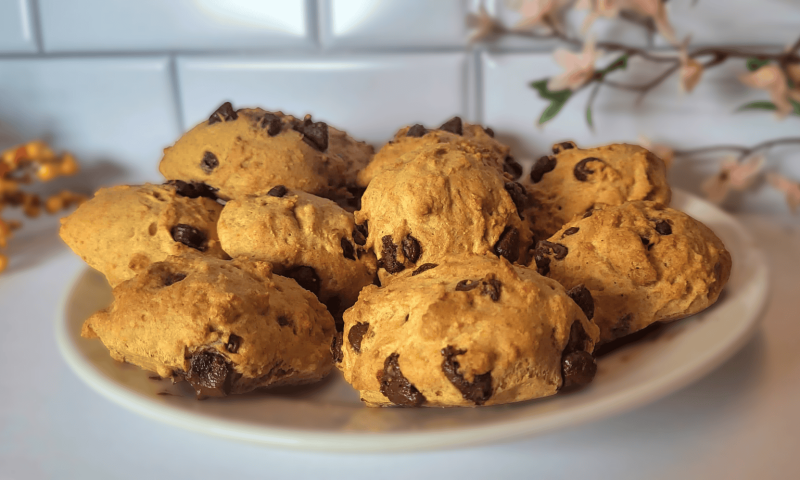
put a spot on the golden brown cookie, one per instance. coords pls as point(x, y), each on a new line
point(442, 200)
point(414, 137)
point(248, 151)
point(125, 228)
point(574, 180)
point(642, 262)
point(225, 326)
point(470, 330)
point(308, 238)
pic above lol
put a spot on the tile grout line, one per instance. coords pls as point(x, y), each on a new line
point(36, 25)
point(313, 23)
point(177, 101)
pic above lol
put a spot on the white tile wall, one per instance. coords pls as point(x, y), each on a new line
point(116, 115)
point(371, 96)
point(143, 25)
point(370, 24)
point(17, 30)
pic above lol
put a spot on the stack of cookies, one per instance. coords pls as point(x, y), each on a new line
point(426, 272)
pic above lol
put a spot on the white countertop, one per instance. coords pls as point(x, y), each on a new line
point(741, 421)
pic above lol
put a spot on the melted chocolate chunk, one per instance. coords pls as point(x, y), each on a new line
point(542, 263)
point(356, 334)
point(560, 147)
point(489, 131)
point(424, 268)
point(359, 237)
point(209, 374)
point(416, 131)
point(512, 167)
point(559, 251)
point(663, 227)
point(453, 126)
point(582, 171)
point(277, 191)
point(411, 249)
point(388, 258)
point(348, 250)
point(314, 133)
point(578, 367)
point(396, 387)
point(173, 278)
point(336, 348)
point(491, 286)
point(224, 113)
point(508, 244)
point(543, 165)
point(306, 277)
point(467, 285)
point(518, 195)
point(284, 321)
point(570, 231)
point(209, 162)
point(478, 391)
point(583, 297)
point(189, 236)
point(234, 342)
point(622, 327)
point(193, 189)
point(272, 123)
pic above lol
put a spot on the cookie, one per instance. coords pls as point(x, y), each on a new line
point(642, 262)
point(123, 229)
point(308, 238)
point(470, 330)
point(414, 137)
point(442, 200)
point(248, 151)
point(225, 326)
point(573, 180)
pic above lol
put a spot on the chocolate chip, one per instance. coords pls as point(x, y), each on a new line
point(411, 249)
point(356, 334)
point(424, 268)
point(314, 133)
point(396, 387)
point(209, 374)
point(272, 123)
point(570, 231)
point(518, 195)
point(489, 131)
point(491, 286)
point(388, 258)
point(508, 244)
point(277, 191)
point(466, 285)
point(559, 251)
point(588, 213)
point(541, 258)
point(622, 327)
point(189, 236)
point(583, 297)
point(478, 391)
point(542, 263)
point(224, 113)
point(234, 342)
point(193, 189)
point(363, 229)
point(582, 171)
point(173, 278)
point(306, 277)
point(560, 147)
point(416, 131)
point(336, 348)
point(209, 162)
point(543, 165)
point(663, 227)
point(578, 367)
point(359, 237)
point(511, 167)
point(646, 242)
point(453, 126)
point(348, 250)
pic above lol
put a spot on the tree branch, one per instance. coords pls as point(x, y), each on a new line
point(743, 150)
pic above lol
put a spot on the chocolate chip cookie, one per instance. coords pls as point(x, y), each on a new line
point(248, 151)
point(443, 200)
point(123, 229)
point(572, 181)
point(308, 238)
point(469, 330)
point(226, 327)
point(414, 137)
point(642, 262)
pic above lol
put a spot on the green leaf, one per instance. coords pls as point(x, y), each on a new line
point(764, 105)
point(796, 106)
point(541, 87)
point(553, 109)
point(754, 64)
point(589, 116)
point(619, 64)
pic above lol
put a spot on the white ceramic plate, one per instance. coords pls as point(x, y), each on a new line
point(329, 415)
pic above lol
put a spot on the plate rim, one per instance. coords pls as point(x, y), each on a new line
point(502, 430)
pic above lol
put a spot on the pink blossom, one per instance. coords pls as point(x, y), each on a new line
point(485, 26)
point(733, 175)
point(690, 71)
point(771, 78)
point(578, 67)
point(654, 9)
point(538, 12)
point(788, 187)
